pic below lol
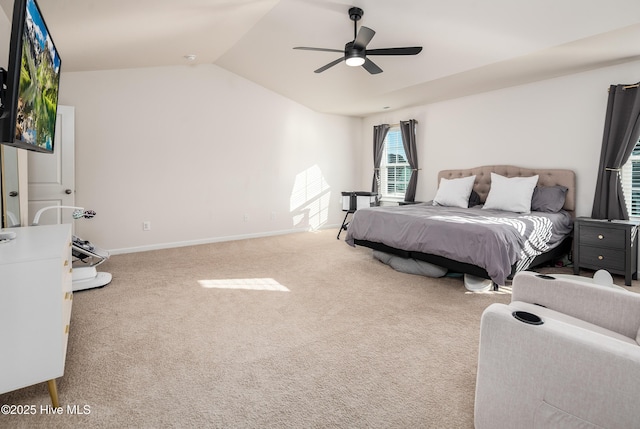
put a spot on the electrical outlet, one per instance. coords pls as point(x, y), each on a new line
point(146, 225)
point(246, 217)
point(273, 215)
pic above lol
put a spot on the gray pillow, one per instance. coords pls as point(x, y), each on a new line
point(474, 199)
point(548, 199)
point(410, 266)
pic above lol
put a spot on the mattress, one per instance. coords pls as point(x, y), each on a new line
point(493, 240)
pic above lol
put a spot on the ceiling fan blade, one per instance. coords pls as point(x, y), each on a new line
point(413, 50)
point(371, 67)
point(331, 64)
point(305, 48)
point(364, 37)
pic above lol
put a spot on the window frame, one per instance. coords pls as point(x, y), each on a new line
point(383, 187)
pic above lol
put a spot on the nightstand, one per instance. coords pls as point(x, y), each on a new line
point(606, 245)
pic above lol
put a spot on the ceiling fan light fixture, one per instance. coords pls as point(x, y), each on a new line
point(353, 56)
point(354, 61)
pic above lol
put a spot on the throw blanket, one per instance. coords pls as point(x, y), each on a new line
point(494, 240)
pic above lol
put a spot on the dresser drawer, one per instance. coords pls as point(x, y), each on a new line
point(602, 236)
point(602, 258)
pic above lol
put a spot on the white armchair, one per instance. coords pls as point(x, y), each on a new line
point(580, 368)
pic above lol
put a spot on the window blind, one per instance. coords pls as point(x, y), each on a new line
point(395, 168)
point(631, 182)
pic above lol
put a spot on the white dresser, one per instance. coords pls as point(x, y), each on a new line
point(35, 306)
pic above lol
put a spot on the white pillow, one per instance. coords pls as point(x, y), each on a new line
point(511, 194)
point(454, 192)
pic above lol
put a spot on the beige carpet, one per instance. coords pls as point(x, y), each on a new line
point(351, 344)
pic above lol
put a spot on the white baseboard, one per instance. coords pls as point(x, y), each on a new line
point(161, 246)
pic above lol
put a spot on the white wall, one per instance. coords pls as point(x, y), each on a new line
point(166, 145)
point(5, 36)
point(203, 155)
point(556, 123)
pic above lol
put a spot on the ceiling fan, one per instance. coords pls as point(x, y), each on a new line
point(356, 52)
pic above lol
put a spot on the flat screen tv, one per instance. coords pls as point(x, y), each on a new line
point(31, 82)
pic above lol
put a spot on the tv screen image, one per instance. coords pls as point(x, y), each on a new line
point(32, 81)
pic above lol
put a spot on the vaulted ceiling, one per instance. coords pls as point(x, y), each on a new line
point(469, 46)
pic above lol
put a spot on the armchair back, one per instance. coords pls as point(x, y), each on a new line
point(611, 308)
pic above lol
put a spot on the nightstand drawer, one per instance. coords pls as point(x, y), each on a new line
point(602, 236)
point(601, 258)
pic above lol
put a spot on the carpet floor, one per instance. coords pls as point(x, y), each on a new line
point(292, 331)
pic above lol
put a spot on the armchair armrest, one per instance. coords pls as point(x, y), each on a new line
point(611, 308)
point(553, 375)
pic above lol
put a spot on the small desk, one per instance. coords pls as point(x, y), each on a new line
point(352, 201)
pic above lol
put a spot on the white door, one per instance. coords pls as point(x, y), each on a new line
point(52, 176)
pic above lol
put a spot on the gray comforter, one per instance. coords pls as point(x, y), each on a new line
point(491, 239)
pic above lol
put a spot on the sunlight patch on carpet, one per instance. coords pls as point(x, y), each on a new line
point(249, 284)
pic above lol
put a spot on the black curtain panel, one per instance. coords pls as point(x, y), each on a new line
point(621, 133)
point(379, 134)
point(408, 130)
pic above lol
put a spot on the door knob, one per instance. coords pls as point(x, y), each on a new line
point(13, 193)
point(68, 191)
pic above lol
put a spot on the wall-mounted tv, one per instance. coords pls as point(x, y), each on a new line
point(31, 83)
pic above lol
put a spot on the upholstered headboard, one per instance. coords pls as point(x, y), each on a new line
point(547, 177)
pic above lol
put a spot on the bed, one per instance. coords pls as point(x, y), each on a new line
point(526, 221)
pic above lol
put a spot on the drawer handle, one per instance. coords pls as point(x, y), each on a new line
point(600, 257)
point(600, 236)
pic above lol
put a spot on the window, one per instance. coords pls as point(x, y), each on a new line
point(631, 182)
point(395, 171)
